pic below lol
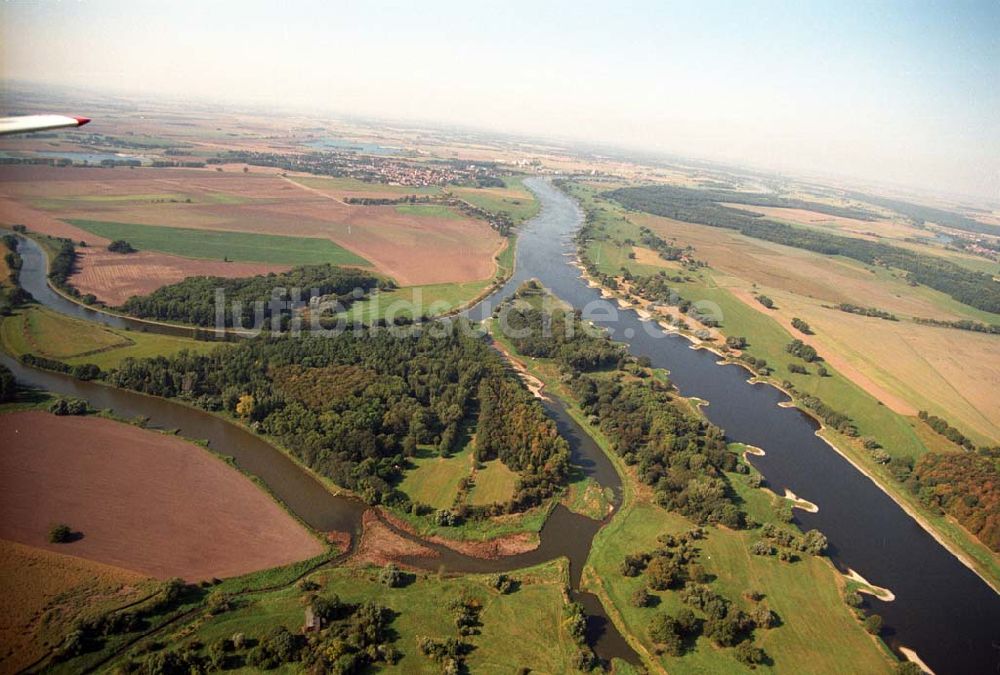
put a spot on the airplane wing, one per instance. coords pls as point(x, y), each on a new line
point(29, 123)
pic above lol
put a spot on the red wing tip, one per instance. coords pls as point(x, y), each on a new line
point(82, 120)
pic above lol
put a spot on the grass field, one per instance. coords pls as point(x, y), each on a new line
point(818, 633)
point(219, 245)
point(429, 211)
point(42, 595)
point(40, 331)
point(514, 200)
point(505, 643)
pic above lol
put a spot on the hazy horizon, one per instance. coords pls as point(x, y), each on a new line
point(900, 93)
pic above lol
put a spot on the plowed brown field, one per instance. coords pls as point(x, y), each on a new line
point(143, 501)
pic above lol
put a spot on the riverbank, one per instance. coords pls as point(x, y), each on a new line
point(964, 547)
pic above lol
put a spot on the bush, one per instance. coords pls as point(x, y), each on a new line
point(749, 654)
point(391, 576)
point(8, 384)
point(60, 534)
point(641, 598)
point(873, 624)
point(68, 406)
point(121, 246)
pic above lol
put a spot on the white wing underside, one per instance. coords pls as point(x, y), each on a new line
point(29, 123)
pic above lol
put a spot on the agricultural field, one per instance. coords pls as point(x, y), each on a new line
point(40, 331)
point(417, 248)
point(228, 246)
point(42, 595)
point(140, 500)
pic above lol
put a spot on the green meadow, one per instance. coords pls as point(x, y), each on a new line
point(221, 245)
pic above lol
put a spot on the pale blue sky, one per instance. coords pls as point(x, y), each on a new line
point(906, 92)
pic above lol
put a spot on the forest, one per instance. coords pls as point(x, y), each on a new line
point(354, 407)
point(975, 289)
point(253, 301)
point(966, 486)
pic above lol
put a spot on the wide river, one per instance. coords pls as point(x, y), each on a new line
point(942, 610)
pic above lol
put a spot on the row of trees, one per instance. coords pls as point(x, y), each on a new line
point(252, 301)
point(353, 407)
point(867, 311)
point(976, 289)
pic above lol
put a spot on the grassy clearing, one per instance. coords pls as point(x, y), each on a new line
point(40, 331)
point(506, 642)
point(494, 484)
point(435, 479)
point(415, 301)
point(219, 245)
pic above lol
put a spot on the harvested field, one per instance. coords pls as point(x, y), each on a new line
point(43, 593)
point(142, 500)
point(114, 277)
point(413, 248)
point(829, 279)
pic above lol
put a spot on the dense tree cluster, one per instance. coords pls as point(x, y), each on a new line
point(966, 486)
point(800, 349)
point(353, 638)
point(832, 418)
point(62, 266)
point(667, 251)
point(251, 301)
point(559, 335)
point(801, 326)
point(353, 407)
point(513, 428)
point(976, 289)
point(679, 454)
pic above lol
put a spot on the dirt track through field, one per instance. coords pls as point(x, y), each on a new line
point(144, 501)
